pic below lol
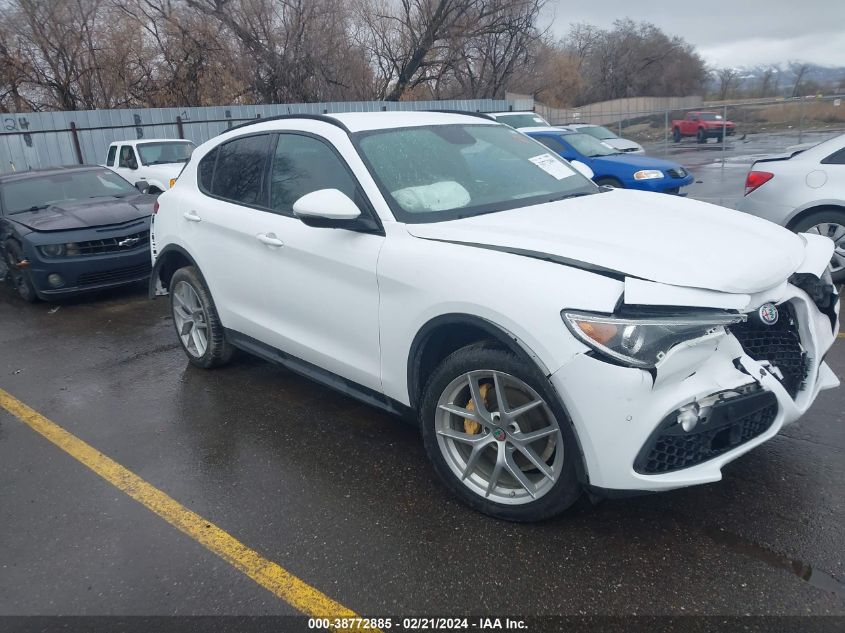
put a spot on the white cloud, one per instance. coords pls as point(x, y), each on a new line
point(825, 51)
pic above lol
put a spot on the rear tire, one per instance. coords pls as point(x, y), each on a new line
point(195, 318)
point(18, 278)
point(521, 489)
point(824, 222)
point(701, 137)
point(609, 182)
point(676, 135)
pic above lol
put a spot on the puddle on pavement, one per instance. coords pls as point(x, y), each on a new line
point(815, 577)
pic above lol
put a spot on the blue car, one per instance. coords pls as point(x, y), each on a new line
point(70, 230)
point(612, 167)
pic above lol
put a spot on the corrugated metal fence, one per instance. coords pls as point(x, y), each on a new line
point(42, 139)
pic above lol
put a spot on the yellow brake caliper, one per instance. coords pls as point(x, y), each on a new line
point(471, 426)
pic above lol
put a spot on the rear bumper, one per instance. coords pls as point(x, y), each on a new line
point(615, 430)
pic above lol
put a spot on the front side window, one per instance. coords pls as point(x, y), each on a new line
point(32, 194)
point(239, 170)
point(165, 153)
point(709, 116)
point(127, 157)
point(441, 172)
point(301, 165)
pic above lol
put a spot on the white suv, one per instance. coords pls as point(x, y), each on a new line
point(547, 335)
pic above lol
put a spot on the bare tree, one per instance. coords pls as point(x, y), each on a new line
point(728, 79)
point(798, 70)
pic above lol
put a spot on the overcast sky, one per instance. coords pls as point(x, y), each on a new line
point(728, 33)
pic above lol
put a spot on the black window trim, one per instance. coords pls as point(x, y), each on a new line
point(264, 172)
point(370, 221)
point(829, 160)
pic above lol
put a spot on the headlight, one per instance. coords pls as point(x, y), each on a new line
point(643, 342)
point(53, 250)
point(648, 174)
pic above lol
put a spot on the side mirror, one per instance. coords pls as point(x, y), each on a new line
point(582, 168)
point(326, 207)
point(143, 186)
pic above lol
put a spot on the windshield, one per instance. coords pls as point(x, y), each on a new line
point(589, 146)
point(597, 131)
point(442, 172)
point(709, 116)
point(526, 119)
point(32, 194)
point(164, 153)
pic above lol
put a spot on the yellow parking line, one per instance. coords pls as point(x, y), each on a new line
point(840, 335)
point(266, 573)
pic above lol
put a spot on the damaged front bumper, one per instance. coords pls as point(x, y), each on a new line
point(627, 420)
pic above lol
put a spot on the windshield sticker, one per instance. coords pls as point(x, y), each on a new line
point(552, 166)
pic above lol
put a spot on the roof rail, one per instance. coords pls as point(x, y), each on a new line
point(280, 117)
point(480, 115)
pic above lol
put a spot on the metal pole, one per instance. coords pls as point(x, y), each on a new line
point(724, 132)
point(179, 127)
point(666, 132)
point(76, 146)
point(801, 123)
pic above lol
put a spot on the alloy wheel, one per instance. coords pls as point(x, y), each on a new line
point(499, 437)
point(835, 232)
point(190, 319)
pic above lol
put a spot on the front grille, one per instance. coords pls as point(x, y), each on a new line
point(677, 173)
point(114, 275)
point(779, 344)
point(731, 422)
point(113, 244)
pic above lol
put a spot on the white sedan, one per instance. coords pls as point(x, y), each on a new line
point(545, 334)
point(804, 191)
point(606, 136)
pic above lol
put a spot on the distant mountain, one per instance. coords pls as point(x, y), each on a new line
point(780, 79)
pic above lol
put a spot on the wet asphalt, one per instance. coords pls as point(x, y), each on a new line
point(342, 496)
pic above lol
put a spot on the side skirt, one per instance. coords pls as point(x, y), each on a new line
point(320, 375)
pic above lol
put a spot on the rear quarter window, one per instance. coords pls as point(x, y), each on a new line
point(837, 158)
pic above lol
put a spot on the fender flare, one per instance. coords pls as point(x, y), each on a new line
point(161, 258)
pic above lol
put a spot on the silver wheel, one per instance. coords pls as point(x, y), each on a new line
point(190, 318)
point(835, 232)
point(499, 437)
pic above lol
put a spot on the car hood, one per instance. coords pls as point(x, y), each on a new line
point(658, 238)
point(82, 214)
point(636, 161)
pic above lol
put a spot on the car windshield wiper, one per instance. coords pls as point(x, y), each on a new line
point(35, 207)
point(577, 194)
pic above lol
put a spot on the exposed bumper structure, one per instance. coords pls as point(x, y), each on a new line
point(617, 426)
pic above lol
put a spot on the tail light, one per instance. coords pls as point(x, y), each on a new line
point(155, 207)
point(755, 179)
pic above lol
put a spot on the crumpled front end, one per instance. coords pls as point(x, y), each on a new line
point(709, 400)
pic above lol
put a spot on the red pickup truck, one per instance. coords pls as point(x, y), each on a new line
point(701, 125)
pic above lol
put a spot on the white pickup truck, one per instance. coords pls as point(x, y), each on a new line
point(157, 162)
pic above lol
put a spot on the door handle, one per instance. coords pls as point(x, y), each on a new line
point(270, 239)
point(191, 216)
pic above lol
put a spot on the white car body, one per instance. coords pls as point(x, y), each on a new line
point(616, 142)
point(157, 176)
point(519, 120)
point(355, 304)
point(803, 185)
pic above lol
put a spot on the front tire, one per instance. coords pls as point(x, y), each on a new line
point(497, 436)
point(196, 321)
point(18, 277)
point(701, 137)
point(676, 135)
point(830, 223)
point(609, 182)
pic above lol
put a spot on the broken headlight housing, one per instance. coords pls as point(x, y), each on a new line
point(643, 341)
